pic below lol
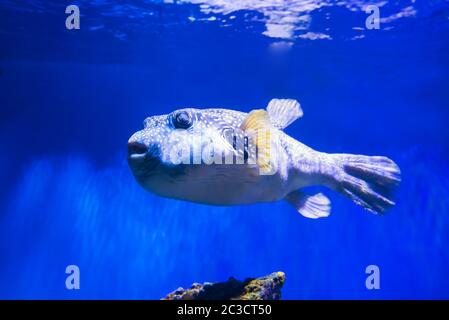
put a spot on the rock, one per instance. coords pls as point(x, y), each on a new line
point(263, 288)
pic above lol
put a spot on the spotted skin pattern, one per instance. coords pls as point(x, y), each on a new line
point(170, 162)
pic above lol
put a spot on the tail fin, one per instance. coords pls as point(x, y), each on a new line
point(368, 181)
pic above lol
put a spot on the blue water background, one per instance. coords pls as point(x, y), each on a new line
point(69, 100)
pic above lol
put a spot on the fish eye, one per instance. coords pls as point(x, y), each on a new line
point(182, 120)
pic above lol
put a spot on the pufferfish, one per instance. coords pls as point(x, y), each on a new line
point(183, 156)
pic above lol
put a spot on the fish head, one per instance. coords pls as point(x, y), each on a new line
point(184, 137)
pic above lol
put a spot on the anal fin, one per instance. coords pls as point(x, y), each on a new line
point(310, 206)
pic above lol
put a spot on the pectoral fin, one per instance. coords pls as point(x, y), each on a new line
point(310, 206)
point(257, 125)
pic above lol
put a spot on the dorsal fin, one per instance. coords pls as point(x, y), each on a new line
point(258, 125)
point(282, 112)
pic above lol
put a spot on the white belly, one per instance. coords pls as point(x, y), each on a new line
point(218, 184)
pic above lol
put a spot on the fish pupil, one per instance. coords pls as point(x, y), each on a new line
point(182, 120)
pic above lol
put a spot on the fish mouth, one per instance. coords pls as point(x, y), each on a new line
point(137, 150)
point(143, 159)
